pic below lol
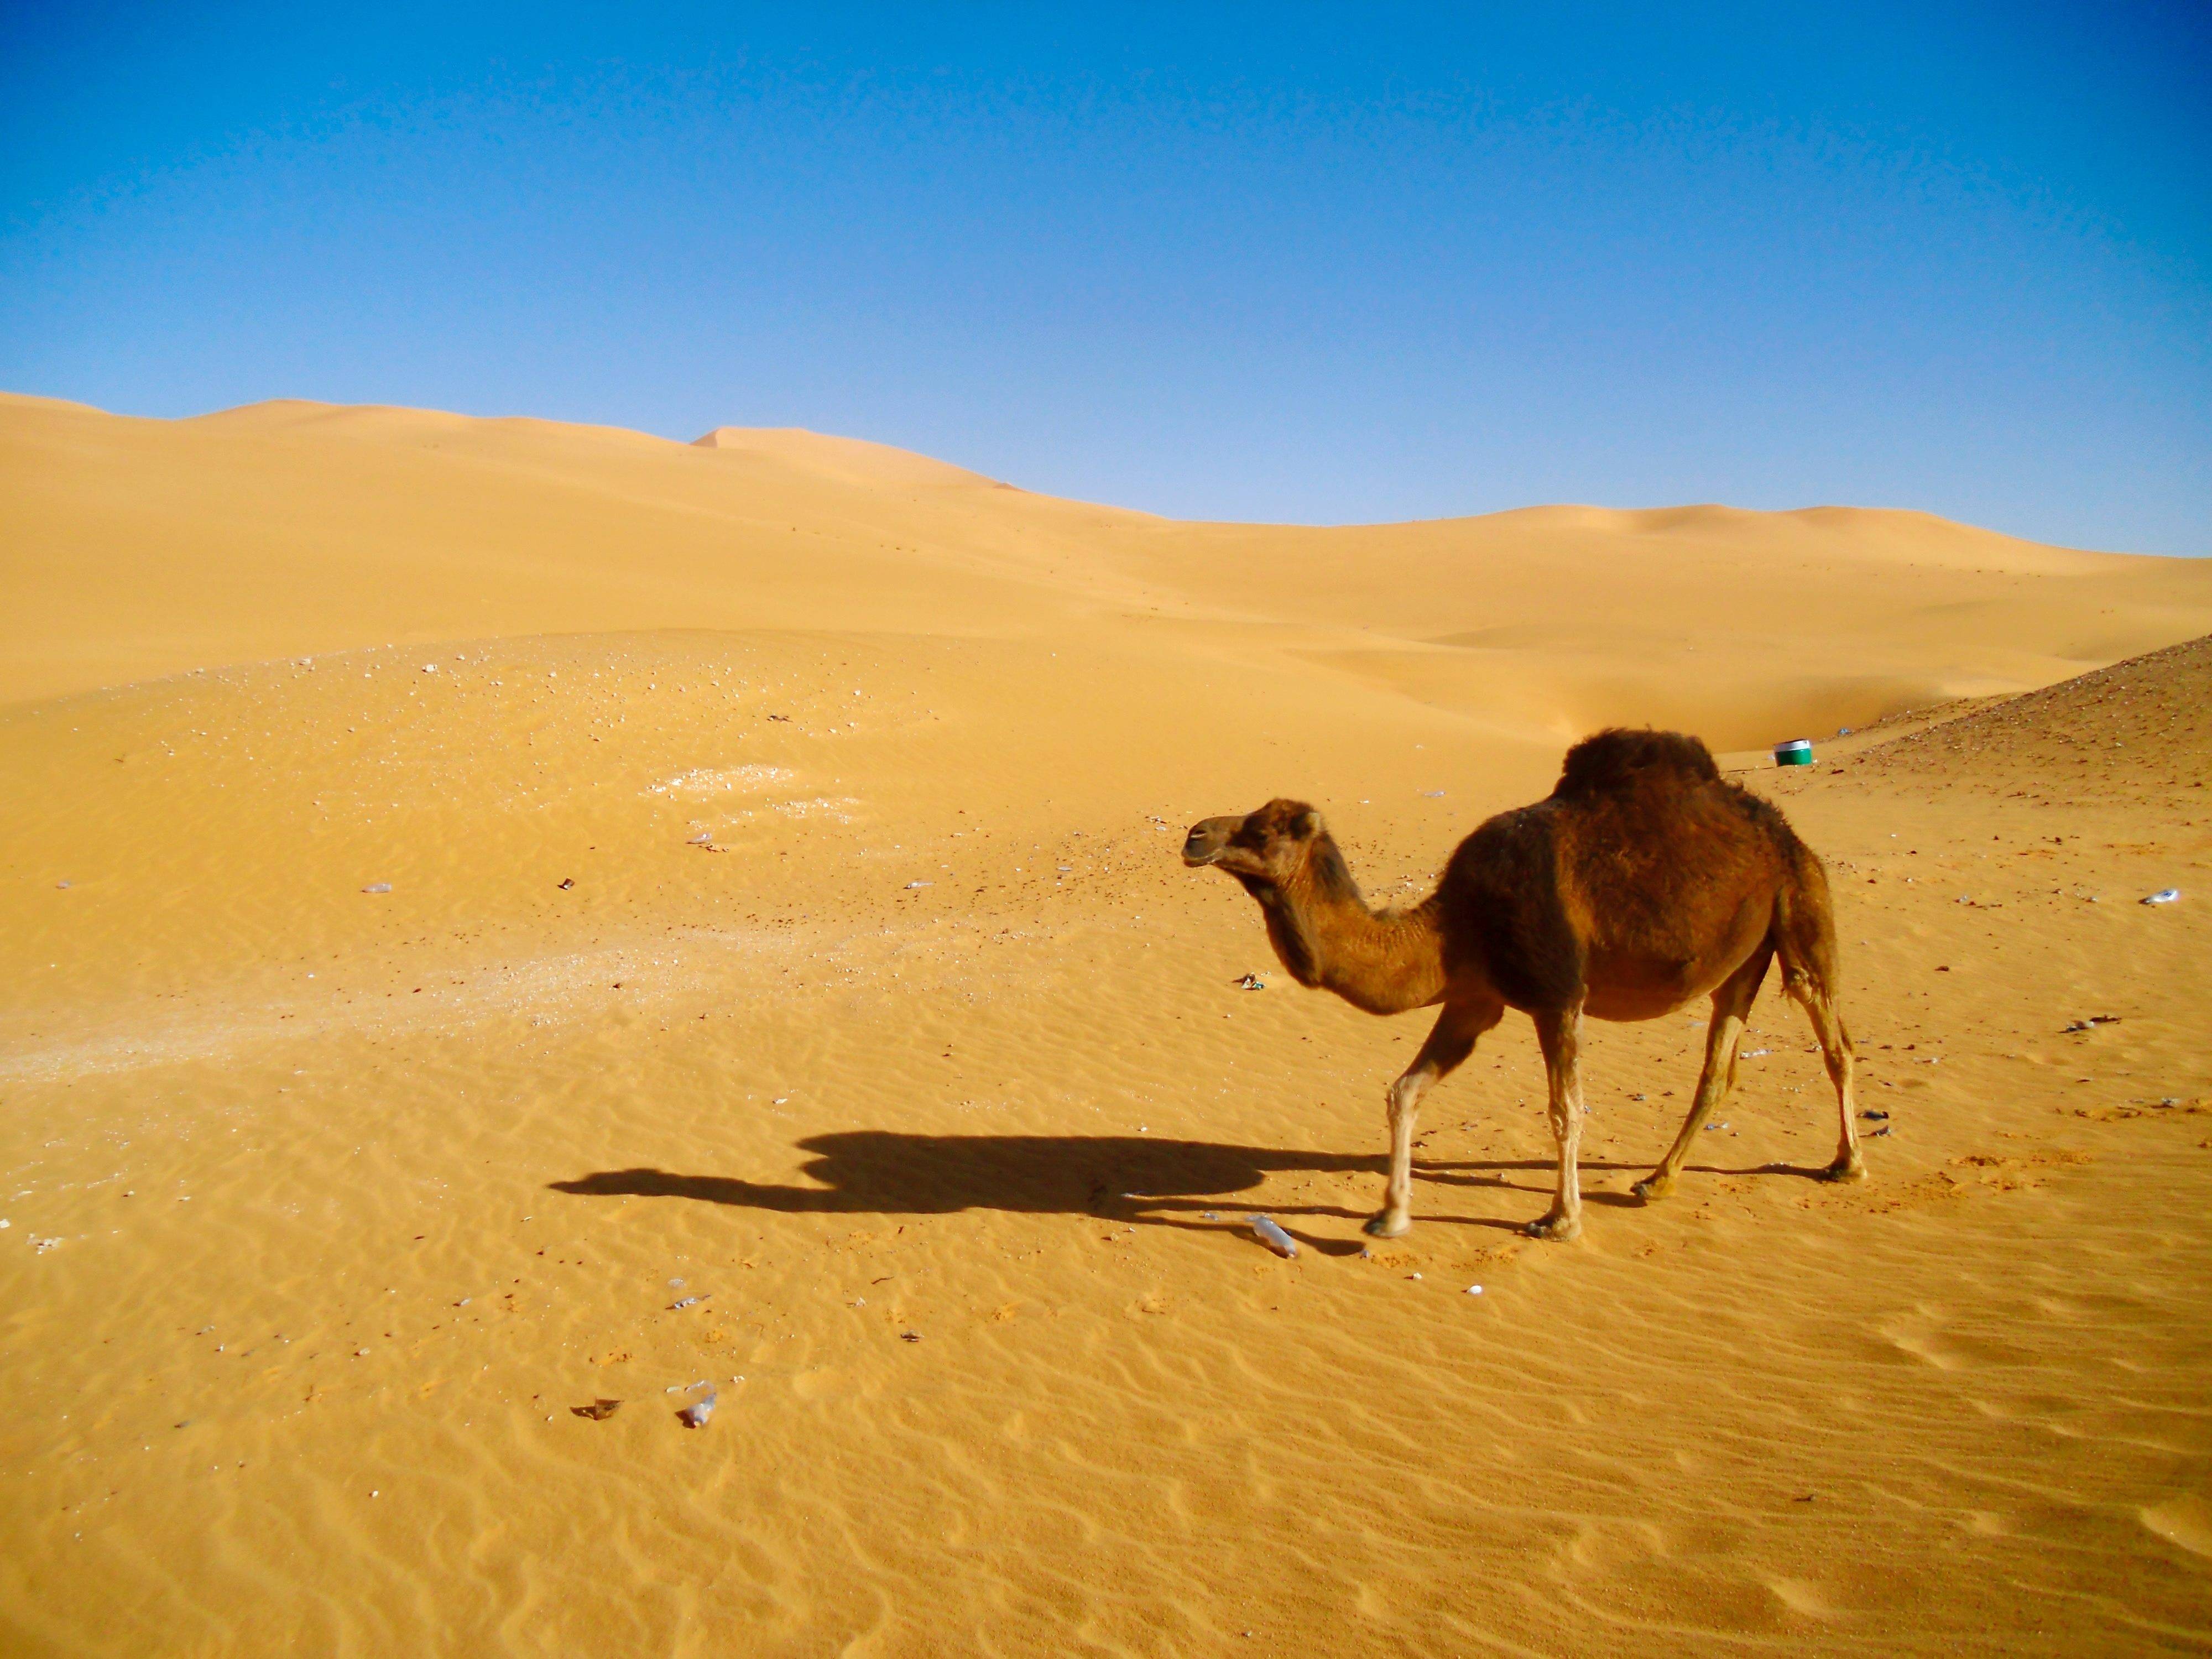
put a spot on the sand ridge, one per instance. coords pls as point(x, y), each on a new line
point(808, 929)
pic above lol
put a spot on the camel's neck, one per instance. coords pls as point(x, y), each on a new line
point(1326, 935)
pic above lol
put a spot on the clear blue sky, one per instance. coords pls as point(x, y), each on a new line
point(1322, 263)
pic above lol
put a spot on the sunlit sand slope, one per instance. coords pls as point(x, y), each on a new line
point(586, 864)
point(138, 548)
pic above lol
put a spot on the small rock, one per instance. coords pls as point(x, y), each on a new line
point(567, 883)
point(599, 1411)
point(909, 1336)
point(1873, 1116)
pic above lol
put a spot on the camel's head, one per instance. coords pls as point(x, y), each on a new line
point(1268, 846)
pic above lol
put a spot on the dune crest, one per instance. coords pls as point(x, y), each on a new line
point(848, 460)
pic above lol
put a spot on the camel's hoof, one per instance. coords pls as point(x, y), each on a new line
point(1845, 1170)
point(1381, 1226)
point(1556, 1229)
point(1653, 1186)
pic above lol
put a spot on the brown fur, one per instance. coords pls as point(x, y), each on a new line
point(1643, 881)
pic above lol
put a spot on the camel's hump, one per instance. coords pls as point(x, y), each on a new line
point(1614, 758)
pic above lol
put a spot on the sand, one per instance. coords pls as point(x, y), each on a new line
point(779, 841)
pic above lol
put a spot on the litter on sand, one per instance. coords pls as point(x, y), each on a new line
point(599, 1411)
point(378, 887)
point(2092, 1021)
point(695, 1415)
point(2164, 896)
point(1265, 1229)
point(1251, 982)
point(687, 1301)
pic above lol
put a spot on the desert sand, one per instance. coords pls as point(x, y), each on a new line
point(498, 916)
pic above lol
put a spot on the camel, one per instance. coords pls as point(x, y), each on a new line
point(1643, 881)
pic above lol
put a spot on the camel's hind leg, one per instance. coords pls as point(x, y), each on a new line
point(1819, 1007)
point(1805, 932)
point(1559, 1034)
point(1810, 983)
point(1450, 1041)
point(1732, 1001)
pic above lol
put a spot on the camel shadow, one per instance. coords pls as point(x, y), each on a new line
point(1140, 1180)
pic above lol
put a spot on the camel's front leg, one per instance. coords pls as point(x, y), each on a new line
point(1560, 1035)
point(1449, 1043)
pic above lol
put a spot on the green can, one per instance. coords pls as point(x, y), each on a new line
point(1798, 751)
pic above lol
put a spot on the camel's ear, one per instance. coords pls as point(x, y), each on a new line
point(1306, 825)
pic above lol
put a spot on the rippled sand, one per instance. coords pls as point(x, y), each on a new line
point(780, 844)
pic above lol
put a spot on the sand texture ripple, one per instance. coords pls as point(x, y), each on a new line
point(499, 917)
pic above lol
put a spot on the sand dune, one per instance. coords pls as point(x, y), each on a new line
point(463, 877)
point(140, 548)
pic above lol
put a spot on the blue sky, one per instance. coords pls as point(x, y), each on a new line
point(1304, 263)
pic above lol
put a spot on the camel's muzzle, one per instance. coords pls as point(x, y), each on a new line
point(1206, 841)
